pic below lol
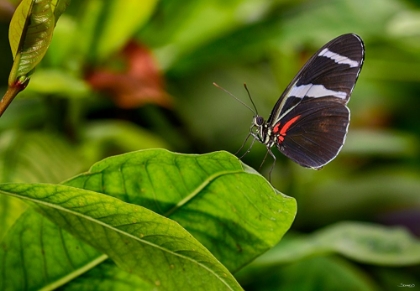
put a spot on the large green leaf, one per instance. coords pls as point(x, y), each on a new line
point(33, 157)
point(228, 207)
point(363, 242)
point(65, 261)
point(234, 211)
point(37, 254)
point(140, 241)
point(107, 276)
point(10, 210)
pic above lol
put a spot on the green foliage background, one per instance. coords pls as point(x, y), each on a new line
point(59, 126)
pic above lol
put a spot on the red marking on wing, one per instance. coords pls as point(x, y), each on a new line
point(286, 127)
point(276, 128)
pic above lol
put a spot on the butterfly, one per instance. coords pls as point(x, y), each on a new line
point(310, 120)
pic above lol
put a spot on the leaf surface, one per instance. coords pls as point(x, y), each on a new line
point(228, 207)
point(37, 254)
point(141, 242)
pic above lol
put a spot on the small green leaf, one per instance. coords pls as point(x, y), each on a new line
point(102, 137)
point(373, 244)
point(58, 82)
point(214, 196)
point(140, 241)
point(59, 6)
point(30, 34)
point(367, 243)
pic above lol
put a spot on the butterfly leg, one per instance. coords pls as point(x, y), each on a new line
point(242, 146)
point(274, 162)
point(249, 149)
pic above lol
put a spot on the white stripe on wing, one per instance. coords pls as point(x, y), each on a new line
point(339, 59)
point(315, 91)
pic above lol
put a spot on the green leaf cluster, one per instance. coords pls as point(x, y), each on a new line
point(357, 224)
point(174, 221)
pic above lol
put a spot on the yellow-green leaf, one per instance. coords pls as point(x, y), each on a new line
point(30, 34)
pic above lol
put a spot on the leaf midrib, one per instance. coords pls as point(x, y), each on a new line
point(54, 206)
point(198, 189)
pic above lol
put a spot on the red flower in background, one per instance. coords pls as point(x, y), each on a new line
point(140, 82)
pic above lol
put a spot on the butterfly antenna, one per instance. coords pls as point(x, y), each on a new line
point(237, 99)
point(250, 98)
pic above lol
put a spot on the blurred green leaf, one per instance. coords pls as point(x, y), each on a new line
point(365, 195)
point(60, 54)
point(104, 136)
point(123, 18)
point(24, 113)
point(36, 157)
point(392, 70)
point(312, 274)
point(338, 17)
point(362, 242)
point(214, 196)
point(188, 26)
point(405, 24)
point(59, 83)
point(128, 234)
point(104, 27)
point(381, 143)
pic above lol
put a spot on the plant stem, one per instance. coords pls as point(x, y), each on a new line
point(10, 94)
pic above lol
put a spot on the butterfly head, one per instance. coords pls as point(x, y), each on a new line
point(259, 128)
point(258, 121)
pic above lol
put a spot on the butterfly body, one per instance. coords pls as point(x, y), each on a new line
point(310, 120)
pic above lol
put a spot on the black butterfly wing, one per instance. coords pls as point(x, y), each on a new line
point(332, 71)
point(313, 132)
